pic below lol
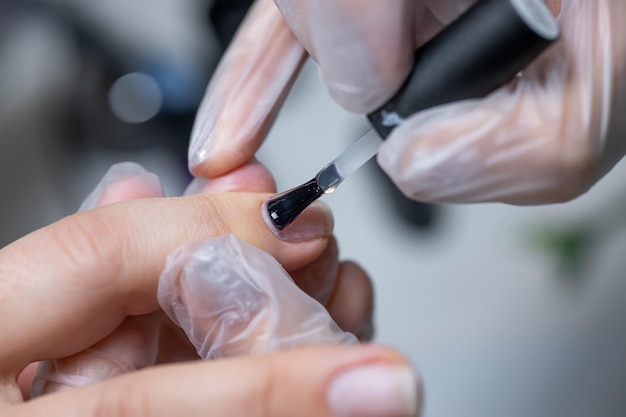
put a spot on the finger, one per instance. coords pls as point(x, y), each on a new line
point(97, 267)
point(335, 382)
point(531, 142)
point(245, 93)
point(364, 48)
point(352, 302)
point(233, 299)
point(344, 288)
point(318, 278)
point(133, 344)
point(252, 177)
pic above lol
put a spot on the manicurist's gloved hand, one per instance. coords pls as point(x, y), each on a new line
point(81, 296)
point(547, 137)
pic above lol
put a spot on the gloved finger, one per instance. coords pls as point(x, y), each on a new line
point(364, 48)
point(97, 267)
point(252, 177)
point(535, 141)
point(352, 302)
point(339, 381)
point(133, 344)
point(245, 93)
point(232, 299)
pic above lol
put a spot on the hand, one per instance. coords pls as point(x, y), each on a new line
point(545, 138)
point(84, 290)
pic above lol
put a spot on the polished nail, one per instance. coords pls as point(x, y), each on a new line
point(375, 391)
point(314, 222)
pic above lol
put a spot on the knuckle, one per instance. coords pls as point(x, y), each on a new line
point(213, 210)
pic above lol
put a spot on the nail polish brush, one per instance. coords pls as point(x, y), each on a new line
point(478, 53)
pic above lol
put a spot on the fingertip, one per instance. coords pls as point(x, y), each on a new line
point(228, 146)
point(123, 181)
point(362, 95)
point(315, 222)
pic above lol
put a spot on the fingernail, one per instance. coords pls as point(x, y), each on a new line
point(314, 222)
point(375, 391)
point(151, 186)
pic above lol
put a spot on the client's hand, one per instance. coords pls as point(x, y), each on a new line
point(84, 290)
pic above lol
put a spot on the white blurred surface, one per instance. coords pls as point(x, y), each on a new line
point(478, 309)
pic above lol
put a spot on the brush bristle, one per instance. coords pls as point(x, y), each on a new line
point(284, 208)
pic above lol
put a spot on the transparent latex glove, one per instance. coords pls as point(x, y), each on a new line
point(232, 299)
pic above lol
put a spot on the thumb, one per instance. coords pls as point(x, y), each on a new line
point(340, 381)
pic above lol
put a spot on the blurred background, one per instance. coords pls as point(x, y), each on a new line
point(513, 311)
